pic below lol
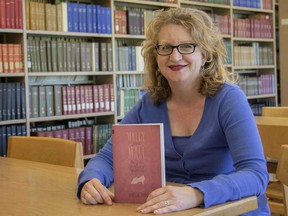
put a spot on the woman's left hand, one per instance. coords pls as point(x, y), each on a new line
point(171, 198)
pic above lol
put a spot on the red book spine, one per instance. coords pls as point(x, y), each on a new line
point(69, 101)
point(73, 100)
point(65, 134)
point(77, 134)
point(106, 97)
point(82, 98)
point(5, 58)
point(117, 21)
point(101, 98)
point(2, 14)
point(64, 100)
point(78, 100)
point(40, 133)
point(90, 98)
point(123, 22)
point(17, 57)
point(71, 134)
point(58, 134)
point(50, 133)
point(7, 14)
point(11, 62)
point(86, 99)
point(20, 14)
point(112, 97)
point(16, 14)
point(82, 138)
point(88, 139)
point(95, 98)
point(12, 7)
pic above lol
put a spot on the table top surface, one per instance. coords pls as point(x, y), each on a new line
point(33, 188)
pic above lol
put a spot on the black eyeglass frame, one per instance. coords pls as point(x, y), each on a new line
point(177, 47)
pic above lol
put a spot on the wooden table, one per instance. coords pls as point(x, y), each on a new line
point(32, 188)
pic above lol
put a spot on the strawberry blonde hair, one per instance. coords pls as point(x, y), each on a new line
point(207, 37)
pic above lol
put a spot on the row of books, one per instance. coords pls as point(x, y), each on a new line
point(128, 97)
point(11, 14)
point(12, 101)
point(257, 107)
point(131, 20)
point(228, 46)
point(129, 91)
point(129, 80)
point(257, 85)
point(92, 137)
point(11, 58)
point(81, 134)
point(68, 100)
point(47, 54)
point(68, 17)
point(264, 4)
point(61, 125)
point(253, 55)
point(129, 58)
point(10, 130)
point(222, 22)
point(257, 27)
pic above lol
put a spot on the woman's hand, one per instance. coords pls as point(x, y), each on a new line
point(93, 192)
point(171, 198)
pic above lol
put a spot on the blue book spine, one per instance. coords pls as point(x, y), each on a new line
point(4, 140)
point(99, 19)
point(84, 14)
point(80, 18)
point(103, 20)
point(70, 17)
point(94, 20)
point(108, 21)
point(75, 18)
point(89, 17)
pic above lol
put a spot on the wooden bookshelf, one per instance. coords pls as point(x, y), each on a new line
point(33, 35)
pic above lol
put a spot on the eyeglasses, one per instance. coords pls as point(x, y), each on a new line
point(185, 48)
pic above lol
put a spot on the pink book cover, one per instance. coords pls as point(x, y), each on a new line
point(138, 161)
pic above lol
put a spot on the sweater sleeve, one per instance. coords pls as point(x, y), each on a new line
point(240, 129)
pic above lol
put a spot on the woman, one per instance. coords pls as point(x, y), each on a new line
point(212, 144)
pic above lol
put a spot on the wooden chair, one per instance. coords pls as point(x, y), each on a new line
point(282, 174)
point(273, 136)
point(47, 150)
point(275, 111)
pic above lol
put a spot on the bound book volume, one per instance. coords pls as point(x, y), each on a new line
point(138, 161)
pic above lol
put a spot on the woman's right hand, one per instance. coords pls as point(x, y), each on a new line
point(93, 192)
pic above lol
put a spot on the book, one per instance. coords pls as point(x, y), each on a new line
point(138, 161)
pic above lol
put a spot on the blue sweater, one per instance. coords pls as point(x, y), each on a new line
point(224, 157)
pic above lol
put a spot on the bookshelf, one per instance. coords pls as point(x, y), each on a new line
point(65, 54)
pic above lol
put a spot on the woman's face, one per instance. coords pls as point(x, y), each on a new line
point(177, 67)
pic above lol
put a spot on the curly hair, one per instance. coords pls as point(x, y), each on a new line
point(205, 34)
